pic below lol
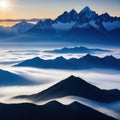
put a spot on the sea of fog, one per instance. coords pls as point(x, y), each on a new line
point(104, 79)
point(9, 56)
point(17, 53)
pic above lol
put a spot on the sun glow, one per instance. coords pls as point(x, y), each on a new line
point(4, 4)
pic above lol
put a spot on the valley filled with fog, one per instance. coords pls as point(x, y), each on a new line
point(59, 64)
point(44, 78)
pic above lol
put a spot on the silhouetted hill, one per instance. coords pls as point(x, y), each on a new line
point(86, 62)
point(10, 79)
point(74, 86)
point(77, 50)
point(50, 111)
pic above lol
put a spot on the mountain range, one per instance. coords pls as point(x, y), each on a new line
point(86, 27)
point(19, 20)
point(74, 86)
point(22, 27)
point(78, 50)
point(86, 62)
point(50, 111)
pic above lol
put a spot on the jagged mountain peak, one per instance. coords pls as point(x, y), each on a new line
point(86, 9)
point(48, 22)
point(106, 14)
point(23, 22)
point(43, 25)
point(87, 15)
point(105, 17)
point(67, 17)
point(110, 57)
point(87, 20)
point(22, 27)
point(73, 11)
point(89, 57)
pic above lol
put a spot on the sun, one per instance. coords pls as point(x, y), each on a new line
point(4, 4)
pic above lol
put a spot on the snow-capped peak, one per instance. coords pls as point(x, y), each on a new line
point(22, 27)
point(87, 14)
point(43, 25)
point(85, 9)
point(68, 17)
point(85, 19)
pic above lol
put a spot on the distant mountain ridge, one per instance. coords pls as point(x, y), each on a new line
point(82, 20)
point(19, 20)
point(80, 49)
point(86, 62)
point(22, 27)
point(86, 27)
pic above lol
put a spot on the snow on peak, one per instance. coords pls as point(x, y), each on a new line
point(68, 17)
point(109, 26)
point(87, 14)
point(60, 26)
point(22, 27)
point(44, 25)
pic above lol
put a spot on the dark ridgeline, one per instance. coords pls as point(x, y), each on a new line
point(50, 111)
point(78, 50)
point(86, 62)
point(74, 86)
point(11, 79)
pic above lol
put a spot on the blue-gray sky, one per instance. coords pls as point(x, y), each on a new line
point(52, 8)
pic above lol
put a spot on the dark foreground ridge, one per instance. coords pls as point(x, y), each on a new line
point(50, 111)
point(74, 86)
point(86, 62)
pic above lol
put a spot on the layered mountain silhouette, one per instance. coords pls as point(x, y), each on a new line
point(74, 86)
point(86, 62)
point(11, 79)
point(78, 50)
point(86, 27)
point(50, 111)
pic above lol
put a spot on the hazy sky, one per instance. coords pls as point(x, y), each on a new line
point(52, 8)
